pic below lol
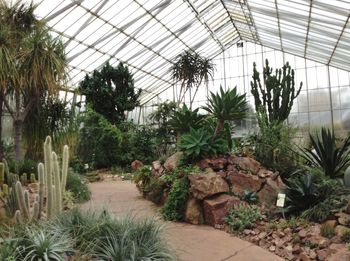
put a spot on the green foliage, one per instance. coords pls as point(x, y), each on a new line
point(313, 196)
point(78, 187)
point(276, 98)
point(108, 238)
point(250, 196)
point(242, 216)
point(23, 166)
point(175, 205)
point(99, 142)
point(164, 136)
point(184, 119)
point(111, 92)
point(327, 231)
point(326, 154)
point(345, 237)
point(198, 144)
point(192, 70)
point(273, 146)
point(226, 106)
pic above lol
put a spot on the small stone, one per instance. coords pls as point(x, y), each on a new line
point(302, 233)
point(321, 254)
point(272, 248)
point(312, 254)
point(262, 235)
point(246, 232)
point(304, 257)
point(296, 250)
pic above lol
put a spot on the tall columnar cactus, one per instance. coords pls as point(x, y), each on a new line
point(57, 184)
point(347, 177)
point(41, 175)
point(276, 98)
point(21, 200)
point(65, 163)
point(48, 176)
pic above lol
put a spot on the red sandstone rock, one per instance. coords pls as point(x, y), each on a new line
point(173, 161)
point(194, 212)
point(247, 164)
point(241, 182)
point(136, 165)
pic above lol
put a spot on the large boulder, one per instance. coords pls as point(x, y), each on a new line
point(157, 168)
point(136, 165)
point(268, 194)
point(216, 208)
point(245, 163)
point(217, 163)
point(203, 185)
point(173, 161)
point(241, 182)
point(194, 212)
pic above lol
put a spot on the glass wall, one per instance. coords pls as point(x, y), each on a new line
point(323, 100)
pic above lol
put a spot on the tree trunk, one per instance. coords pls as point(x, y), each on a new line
point(18, 128)
point(219, 126)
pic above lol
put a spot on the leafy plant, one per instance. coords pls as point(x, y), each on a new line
point(250, 196)
point(174, 207)
point(327, 230)
point(111, 92)
point(346, 236)
point(326, 154)
point(197, 144)
point(184, 119)
point(313, 196)
point(226, 106)
point(77, 186)
point(242, 216)
point(192, 70)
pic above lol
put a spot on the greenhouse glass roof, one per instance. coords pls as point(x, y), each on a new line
point(148, 35)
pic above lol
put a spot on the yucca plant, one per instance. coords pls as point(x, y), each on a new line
point(184, 119)
point(197, 144)
point(226, 106)
point(326, 154)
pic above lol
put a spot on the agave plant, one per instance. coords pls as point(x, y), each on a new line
point(199, 143)
point(183, 119)
point(326, 155)
point(226, 106)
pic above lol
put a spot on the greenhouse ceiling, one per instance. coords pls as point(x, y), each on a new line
point(148, 35)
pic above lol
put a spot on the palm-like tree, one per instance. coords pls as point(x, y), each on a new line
point(226, 106)
point(192, 70)
point(40, 64)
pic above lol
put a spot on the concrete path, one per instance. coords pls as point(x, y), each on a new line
point(191, 243)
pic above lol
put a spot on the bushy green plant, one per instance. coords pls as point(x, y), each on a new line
point(142, 177)
point(226, 106)
point(99, 142)
point(250, 196)
point(314, 196)
point(154, 190)
point(326, 154)
point(25, 166)
point(273, 146)
point(242, 216)
point(108, 238)
point(78, 187)
point(199, 143)
point(184, 119)
point(327, 230)
point(345, 237)
point(174, 207)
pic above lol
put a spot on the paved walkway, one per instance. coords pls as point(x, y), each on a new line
point(191, 243)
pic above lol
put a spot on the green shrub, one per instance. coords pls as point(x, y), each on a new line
point(154, 190)
point(25, 166)
point(199, 143)
point(313, 196)
point(327, 231)
point(174, 207)
point(109, 238)
point(250, 196)
point(99, 142)
point(326, 154)
point(78, 187)
point(242, 216)
point(346, 236)
point(142, 177)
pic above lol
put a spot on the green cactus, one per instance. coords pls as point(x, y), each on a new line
point(57, 184)
point(41, 174)
point(347, 177)
point(276, 98)
point(32, 178)
point(5, 190)
point(18, 217)
point(21, 199)
point(65, 163)
point(48, 175)
point(24, 178)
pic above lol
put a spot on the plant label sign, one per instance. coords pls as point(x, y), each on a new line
point(281, 198)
